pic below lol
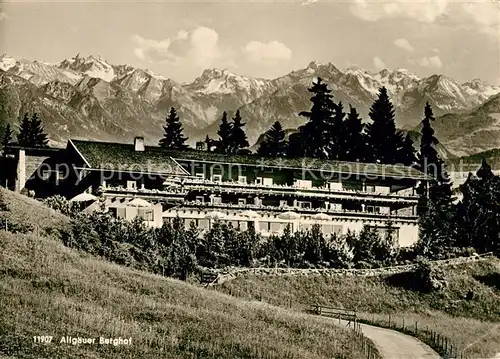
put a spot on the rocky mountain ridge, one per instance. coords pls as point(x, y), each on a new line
point(91, 98)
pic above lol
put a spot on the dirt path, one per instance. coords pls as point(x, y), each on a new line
point(395, 345)
point(392, 344)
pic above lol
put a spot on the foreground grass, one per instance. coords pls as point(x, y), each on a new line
point(48, 289)
point(472, 324)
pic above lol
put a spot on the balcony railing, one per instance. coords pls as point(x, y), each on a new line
point(321, 192)
point(171, 192)
point(306, 211)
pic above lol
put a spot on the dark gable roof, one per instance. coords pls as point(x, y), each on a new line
point(123, 157)
point(119, 156)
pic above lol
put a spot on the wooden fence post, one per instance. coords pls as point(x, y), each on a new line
point(416, 327)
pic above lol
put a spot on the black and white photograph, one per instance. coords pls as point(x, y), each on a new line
point(250, 179)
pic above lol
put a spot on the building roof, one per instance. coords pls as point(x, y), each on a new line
point(123, 157)
point(120, 156)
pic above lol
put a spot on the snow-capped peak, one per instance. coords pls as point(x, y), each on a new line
point(7, 62)
point(93, 66)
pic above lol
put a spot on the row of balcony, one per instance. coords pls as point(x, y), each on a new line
point(303, 211)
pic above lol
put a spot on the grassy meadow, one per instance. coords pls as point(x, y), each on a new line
point(47, 289)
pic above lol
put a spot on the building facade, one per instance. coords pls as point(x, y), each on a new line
point(267, 193)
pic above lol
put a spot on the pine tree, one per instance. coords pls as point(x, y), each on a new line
point(406, 152)
point(208, 143)
point(31, 132)
point(274, 143)
point(382, 137)
point(295, 146)
point(225, 129)
point(479, 212)
point(335, 133)
point(238, 137)
point(314, 132)
point(7, 137)
point(173, 137)
point(436, 211)
point(354, 147)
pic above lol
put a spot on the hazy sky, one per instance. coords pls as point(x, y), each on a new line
point(261, 38)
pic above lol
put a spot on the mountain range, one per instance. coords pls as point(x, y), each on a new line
point(90, 98)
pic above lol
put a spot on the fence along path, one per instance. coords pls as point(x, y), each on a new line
point(376, 342)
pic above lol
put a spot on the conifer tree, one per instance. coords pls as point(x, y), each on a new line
point(354, 147)
point(173, 137)
point(274, 143)
point(295, 146)
point(479, 211)
point(209, 143)
point(238, 137)
point(382, 137)
point(335, 133)
point(7, 137)
point(225, 129)
point(406, 152)
point(436, 209)
point(31, 132)
point(314, 133)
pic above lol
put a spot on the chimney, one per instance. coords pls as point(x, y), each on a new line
point(139, 144)
point(21, 171)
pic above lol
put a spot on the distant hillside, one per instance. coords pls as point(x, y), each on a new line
point(472, 132)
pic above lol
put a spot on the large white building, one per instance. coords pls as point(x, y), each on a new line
point(267, 193)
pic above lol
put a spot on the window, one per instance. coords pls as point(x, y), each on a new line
point(200, 199)
point(336, 186)
point(303, 183)
point(370, 189)
point(242, 201)
point(242, 179)
point(258, 180)
point(60, 175)
point(369, 209)
point(335, 206)
point(45, 175)
point(217, 178)
point(257, 201)
point(283, 203)
point(275, 227)
point(264, 226)
point(200, 175)
point(203, 223)
point(302, 204)
point(145, 214)
point(131, 184)
point(267, 181)
point(217, 200)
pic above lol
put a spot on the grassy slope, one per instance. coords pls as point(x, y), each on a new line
point(48, 289)
point(447, 311)
point(27, 210)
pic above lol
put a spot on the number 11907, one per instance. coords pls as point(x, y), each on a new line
point(42, 339)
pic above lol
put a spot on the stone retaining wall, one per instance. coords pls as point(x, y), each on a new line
point(229, 275)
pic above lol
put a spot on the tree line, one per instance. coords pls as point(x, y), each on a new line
point(176, 251)
point(31, 133)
